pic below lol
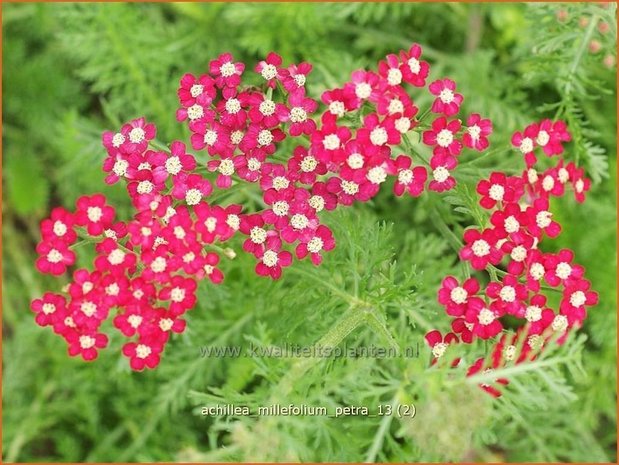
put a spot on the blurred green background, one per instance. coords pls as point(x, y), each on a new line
point(74, 70)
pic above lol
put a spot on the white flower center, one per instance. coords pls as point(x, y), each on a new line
point(265, 137)
point(298, 115)
point(446, 96)
point(112, 289)
point(196, 90)
point(227, 69)
point(236, 137)
point(88, 308)
point(337, 108)
point(378, 136)
point(179, 232)
point(118, 140)
point(60, 229)
point(331, 142)
point(94, 214)
point(405, 177)
point(195, 112)
point(403, 124)
point(299, 79)
point(526, 145)
point(48, 308)
point(270, 258)
point(87, 342)
point(537, 271)
point(165, 324)
point(253, 164)
point(548, 183)
point(543, 138)
point(210, 137)
point(120, 167)
point(519, 253)
point(474, 132)
point(439, 349)
point(226, 167)
point(299, 221)
point(142, 351)
point(580, 186)
point(536, 341)
point(134, 321)
point(281, 208)
point(173, 165)
point(267, 107)
point(564, 270)
point(458, 295)
point(564, 175)
point(485, 317)
point(533, 313)
point(193, 196)
point(394, 77)
point(440, 174)
point(309, 164)
point(137, 135)
point(509, 352)
point(395, 106)
point(317, 202)
point(578, 299)
point(210, 223)
point(116, 257)
point(543, 219)
point(496, 192)
point(349, 187)
point(257, 235)
point(315, 245)
point(444, 138)
point(145, 187)
point(355, 161)
point(268, 71)
point(414, 65)
point(511, 224)
point(159, 265)
point(559, 324)
point(280, 182)
point(363, 90)
point(480, 248)
point(233, 221)
point(177, 295)
point(508, 294)
point(377, 175)
point(532, 176)
point(189, 257)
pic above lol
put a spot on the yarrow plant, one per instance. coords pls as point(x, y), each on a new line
point(147, 268)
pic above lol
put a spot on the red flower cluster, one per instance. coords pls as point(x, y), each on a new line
point(147, 269)
point(520, 218)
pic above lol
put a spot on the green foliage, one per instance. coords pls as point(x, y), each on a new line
point(73, 70)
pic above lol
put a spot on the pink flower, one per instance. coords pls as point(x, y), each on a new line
point(192, 188)
point(194, 90)
point(464, 329)
point(540, 220)
point(485, 319)
point(409, 179)
point(414, 71)
point(561, 270)
point(443, 137)
point(300, 109)
point(265, 111)
point(439, 344)
point(212, 136)
point(295, 76)
point(271, 262)
point(86, 344)
point(314, 242)
point(269, 70)
point(362, 87)
point(389, 70)
point(227, 74)
point(576, 297)
point(49, 309)
point(480, 248)
point(448, 101)
point(114, 259)
point(305, 166)
point(477, 132)
point(525, 142)
point(59, 226)
point(499, 188)
point(327, 143)
point(93, 213)
point(54, 257)
point(442, 180)
point(142, 355)
point(180, 292)
point(377, 135)
point(509, 295)
point(454, 297)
